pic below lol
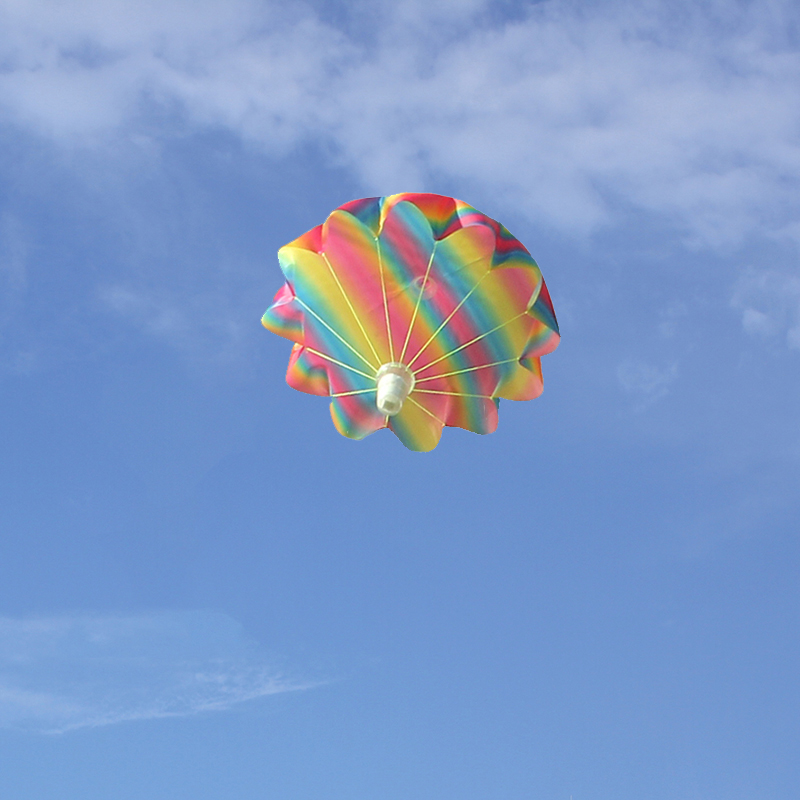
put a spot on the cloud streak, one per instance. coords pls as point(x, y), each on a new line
point(769, 301)
point(572, 114)
point(644, 382)
point(63, 673)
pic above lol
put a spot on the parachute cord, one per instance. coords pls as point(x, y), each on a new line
point(339, 363)
point(449, 317)
point(471, 341)
point(419, 299)
point(429, 413)
point(337, 335)
point(466, 369)
point(454, 394)
point(350, 306)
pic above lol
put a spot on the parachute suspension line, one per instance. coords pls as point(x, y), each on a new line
point(340, 364)
point(466, 369)
point(471, 341)
point(419, 299)
point(352, 310)
point(348, 394)
point(455, 394)
point(385, 301)
point(429, 413)
point(444, 324)
point(337, 335)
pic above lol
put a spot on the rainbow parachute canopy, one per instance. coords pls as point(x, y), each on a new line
point(413, 312)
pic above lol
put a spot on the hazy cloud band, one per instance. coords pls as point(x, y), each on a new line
point(572, 113)
point(61, 673)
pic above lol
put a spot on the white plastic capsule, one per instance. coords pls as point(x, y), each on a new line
point(395, 383)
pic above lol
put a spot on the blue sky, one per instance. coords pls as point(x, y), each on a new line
point(206, 592)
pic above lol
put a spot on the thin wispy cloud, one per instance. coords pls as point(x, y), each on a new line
point(645, 383)
point(202, 326)
point(769, 302)
point(571, 113)
point(62, 673)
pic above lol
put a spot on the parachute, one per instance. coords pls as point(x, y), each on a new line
point(413, 312)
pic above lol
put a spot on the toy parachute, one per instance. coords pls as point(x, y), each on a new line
point(413, 312)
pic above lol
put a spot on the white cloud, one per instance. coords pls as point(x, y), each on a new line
point(683, 110)
point(157, 317)
point(769, 301)
point(206, 326)
point(73, 70)
point(672, 319)
point(62, 673)
point(644, 382)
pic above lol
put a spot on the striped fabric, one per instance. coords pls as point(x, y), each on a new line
point(422, 280)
